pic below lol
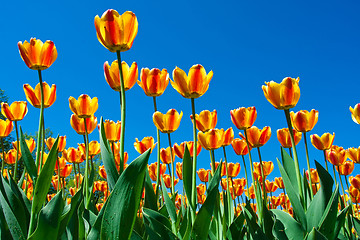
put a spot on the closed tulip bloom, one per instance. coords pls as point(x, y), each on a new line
point(34, 96)
point(167, 180)
point(324, 142)
point(203, 174)
point(283, 137)
point(239, 181)
point(243, 118)
point(10, 156)
point(314, 175)
point(166, 156)
point(355, 113)
point(206, 120)
point(153, 170)
point(354, 194)
point(84, 107)
point(283, 95)
point(346, 169)
point(251, 192)
point(102, 172)
point(223, 168)
point(169, 122)
point(94, 148)
point(270, 186)
point(213, 139)
point(179, 170)
point(6, 126)
point(180, 149)
point(16, 111)
point(79, 126)
point(304, 121)
point(279, 182)
point(228, 137)
point(233, 169)
point(144, 144)
point(193, 85)
point(116, 32)
point(257, 137)
point(117, 159)
point(112, 75)
point(355, 181)
point(354, 154)
point(60, 163)
point(336, 155)
point(36, 54)
point(268, 167)
point(61, 143)
point(30, 143)
point(112, 130)
point(72, 155)
point(240, 146)
point(154, 81)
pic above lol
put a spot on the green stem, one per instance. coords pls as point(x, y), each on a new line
point(58, 172)
point(262, 177)
point(41, 121)
point(158, 156)
point(172, 167)
point(86, 139)
point(308, 165)
point(122, 103)
point(76, 182)
point(342, 187)
point(290, 152)
point(212, 161)
point(325, 161)
point(193, 186)
point(3, 156)
point(334, 175)
point(246, 176)
point(17, 150)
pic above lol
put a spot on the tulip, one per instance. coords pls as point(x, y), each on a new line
point(180, 149)
point(239, 146)
point(223, 168)
point(354, 194)
point(314, 175)
point(84, 107)
point(355, 113)
point(233, 169)
point(61, 143)
point(94, 148)
point(154, 81)
point(243, 118)
point(336, 155)
point(117, 159)
point(79, 126)
point(354, 154)
point(213, 139)
point(112, 75)
point(30, 143)
point(165, 155)
point(206, 120)
point(34, 96)
point(179, 170)
point(169, 122)
point(102, 172)
point(167, 180)
point(153, 170)
point(279, 182)
point(251, 192)
point(268, 167)
point(193, 85)
point(257, 137)
point(324, 142)
point(283, 137)
point(355, 181)
point(346, 168)
point(284, 95)
point(304, 121)
point(65, 172)
point(270, 186)
point(36, 54)
point(116, 32)
point(144, 144)
point(6, 126)
point(112, 130)
point(10, 156)
point(16, 111)
point(203, 174)
point(72, 155)
point(228, 137)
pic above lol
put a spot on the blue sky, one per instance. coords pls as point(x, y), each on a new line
point(245, 43)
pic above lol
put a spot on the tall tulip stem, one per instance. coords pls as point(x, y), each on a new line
point(342, 187)
point(122, 103)
point(40, 139)
point(193, 186)
point(17, 150)
point(326, 165)
point(3, 155)
point(158, 156)
point(172, 167)
point(86, 139)
point(262, 175)
point(308, 165)
point(246, 176)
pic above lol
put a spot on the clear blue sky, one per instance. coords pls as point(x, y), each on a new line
point(245, 44)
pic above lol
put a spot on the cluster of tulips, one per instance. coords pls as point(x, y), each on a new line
point(132, 200)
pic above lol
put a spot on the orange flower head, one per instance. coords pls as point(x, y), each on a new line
point(283, 137)
point(240, 146)
point(112, 75)
point(233, 169)
point(116, 32)
point(346, 169)
point(203, 174)
point(354, 194)
point(304, 121)
point(65, 172)
point(84, 107)
point(61, 143)
point(243, 117)
point(180, 149)
point(167, 180)
point(169, 122)
point(102, 172)
point(279, 182)
point(270, 186)
point(144, 144)
point(355, 113)
point(239, 181)
point(336, 155)
point(201, 189)
point(34, 96)
point(213, 139)
point(16, 111)
point(251, 192)
point(60, 163)
point(268, 167)
point(154, 81)
point(179, 170)
point(153, 170)
point(10, 156)
point(94, 148)
point(79, 126)
point(193, 85)
point(73, 155)
point(117, 159)
point(6, 126)
point(354, 154)
point(355, 181)
point(223, 168)
point(257, 137)
point(29, 142)
point(112, 130)
point(206, 120)
point(324, 142)
point(228, 137)
point(165, 155)
point(36, 54)
point(282, 95)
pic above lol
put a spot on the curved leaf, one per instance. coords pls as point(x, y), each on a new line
point(293, 229)
point(27, 157)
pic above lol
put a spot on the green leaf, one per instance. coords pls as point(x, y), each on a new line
point(356, 224)
point(49, 219)
point(27, 157)
point(150, 198)
point(255, 230)
point(21, 196)
point(279, 230)
point(123, 202)
point(228, 207)
point(289, 166)
point(94, 233)
point(187, 173)
point(42, 184)
point(340, 221)
point(157, 226)
point(170, 206)
point(329, 217)
point(268, 221)
point(315, 235)
point(292, 228)
point(236, 227)
point(108, 158)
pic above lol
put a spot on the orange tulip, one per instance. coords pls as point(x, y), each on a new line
point(213, 139)
point(60, 163)
point(243, 118)
point(275, 202)
point(154, 81)
point(251, 192)
point(193, 85)
point(223, 168)
point(180, 149)
point(268, 167)
point(29, 142)
point(283, 137)
point(314, 175)
point(102, 172)
point(206, 120)
point(153, 170)
point(10, 156)
point(94, 148)
point(284, 95)
point(346, 169)
point(112, 130)
point(34, 96)
point(169, 122)
point(324, 142)
point(304, 121)
point(144, 144)
point(203, 174)
point(116, 32)
point(355, 181)
point(79, 126)
point(112, 75)
point(6, 126)
point(233, 169)
point(84, 107)
point(354, 194)
point(117, 159)
point(36, 54)
point(239, 181)
point(165, 155)
point(257, 137)
point(65, 172)
point(179, 170)
point(72, 155)
point(336, 155)
point(228, 137)
point(279, 182)
point(354, 154)
point(240, 146)
point(355, 113)
point(167, 180)
point(270, 186)
point(238, 190)
point(16, 111)
point(61, 143)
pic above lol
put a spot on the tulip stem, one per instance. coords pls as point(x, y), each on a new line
point(158, 156)
point(122, 103)
point(246, 176)
point(3, 155)
point(334, 175)
point(58, 172)
point(41, 121)
point(76, 183)
point(86, 139)
point(326, 165)
point(297, 167)
point(262, 177)
point(342, 187)
point(308, 165)
point(17, 150)
point(172, 167)
point(193, 186)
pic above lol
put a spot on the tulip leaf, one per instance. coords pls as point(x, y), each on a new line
point(236, 227)
point(289, 166)
point(21, 196)
point(187, 174)
point(157, 226)
point(316, 235)
point(108, 158)
point(123, 202)
point(255, 230)
point(94, 233)
point(356, 224)
point(329, 217)
point(150, 198)
point(292, 228)
point(27, 157)
point(169, 204)
point(49, 219)
point(340, 221)
point(268, 221)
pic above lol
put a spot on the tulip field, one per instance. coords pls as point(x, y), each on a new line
point(50, 190)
